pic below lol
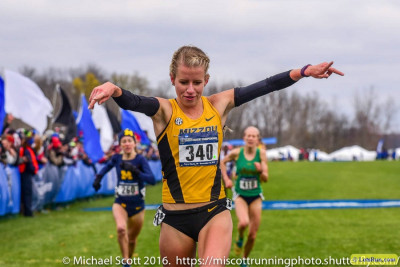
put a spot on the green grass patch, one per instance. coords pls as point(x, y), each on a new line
point(47, 238)
point(333, 180)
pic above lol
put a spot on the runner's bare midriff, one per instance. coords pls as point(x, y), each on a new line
point(184, 206)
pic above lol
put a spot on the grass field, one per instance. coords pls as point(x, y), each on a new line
point(319, 233)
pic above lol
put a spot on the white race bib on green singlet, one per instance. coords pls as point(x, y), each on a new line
point(248, 183)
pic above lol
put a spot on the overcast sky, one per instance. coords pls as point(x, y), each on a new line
point(246, 40)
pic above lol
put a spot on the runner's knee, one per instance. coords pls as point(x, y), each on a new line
point(121, 229)
point(243, 223)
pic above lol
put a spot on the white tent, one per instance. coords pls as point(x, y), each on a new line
point(273, 154)
point(320, 155)
point(283, 153)
point(397, 151)
point(353, 153)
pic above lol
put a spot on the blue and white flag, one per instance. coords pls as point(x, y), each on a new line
point(2, 104)
point(26, 101)
point(103, 124)
point(128, 120)
point(91, 137)
point(146, 124)
point(379, 147)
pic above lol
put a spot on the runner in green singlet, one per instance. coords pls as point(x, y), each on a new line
point(251, 170)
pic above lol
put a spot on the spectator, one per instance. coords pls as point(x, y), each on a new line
point(28, 167)
point(39, 150)
point(10, 155)
point(71, 155)
point(83, 156)
point(55, 152)
point(7, 121)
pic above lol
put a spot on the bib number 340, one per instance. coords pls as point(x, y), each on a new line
point(198, 154)
point(201, 153)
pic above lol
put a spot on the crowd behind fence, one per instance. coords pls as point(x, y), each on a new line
point(56, 185)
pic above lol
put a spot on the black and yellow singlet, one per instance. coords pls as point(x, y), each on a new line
point(189, 152)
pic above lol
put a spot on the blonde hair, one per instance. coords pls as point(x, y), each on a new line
point(252, 128)
point(190, 56)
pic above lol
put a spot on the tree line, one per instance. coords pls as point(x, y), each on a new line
point(301, 120)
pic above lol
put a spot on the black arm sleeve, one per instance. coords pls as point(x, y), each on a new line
point(143, 104)
point(277, 82)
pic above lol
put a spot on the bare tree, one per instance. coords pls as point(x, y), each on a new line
point(389, 111)
point(28, 71)
point(366, 116)
point(165, 90)
point(135, 83)
point(81, 72)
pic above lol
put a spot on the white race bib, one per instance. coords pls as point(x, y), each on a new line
point(198, 149)
point(248, 183)
point(128, 189)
